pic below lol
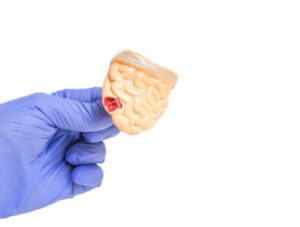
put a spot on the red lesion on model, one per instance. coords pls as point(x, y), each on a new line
point(112, 103)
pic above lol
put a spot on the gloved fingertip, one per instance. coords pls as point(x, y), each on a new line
point(83, 153)
point(96, 137)
point(104, 114)
point(101, 119)
point(72, 158)
point(79, 189)
point(88, 175)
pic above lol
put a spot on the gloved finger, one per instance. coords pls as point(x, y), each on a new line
point(71, 114)
point(86, 153)
point(88, 95)
point(96, 137)
point(79, 189)
point(87, 175)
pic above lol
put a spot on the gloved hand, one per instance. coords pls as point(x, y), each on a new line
point(49, 147)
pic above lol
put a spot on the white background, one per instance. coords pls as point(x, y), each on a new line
point(226, 152)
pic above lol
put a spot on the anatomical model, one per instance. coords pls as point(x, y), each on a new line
point(136, 91)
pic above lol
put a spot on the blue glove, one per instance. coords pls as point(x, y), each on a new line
point(49, 147)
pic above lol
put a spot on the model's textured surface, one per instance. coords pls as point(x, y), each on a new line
point(136, 91)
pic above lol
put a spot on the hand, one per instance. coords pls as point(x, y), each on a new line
point(49, 147)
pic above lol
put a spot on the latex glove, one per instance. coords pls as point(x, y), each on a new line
point(49, 147)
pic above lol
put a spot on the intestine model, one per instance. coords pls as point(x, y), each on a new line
point(136, 91)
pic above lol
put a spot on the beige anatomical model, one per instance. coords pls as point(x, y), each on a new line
point(135, 92)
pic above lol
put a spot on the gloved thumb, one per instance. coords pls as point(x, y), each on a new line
point(71, 114)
